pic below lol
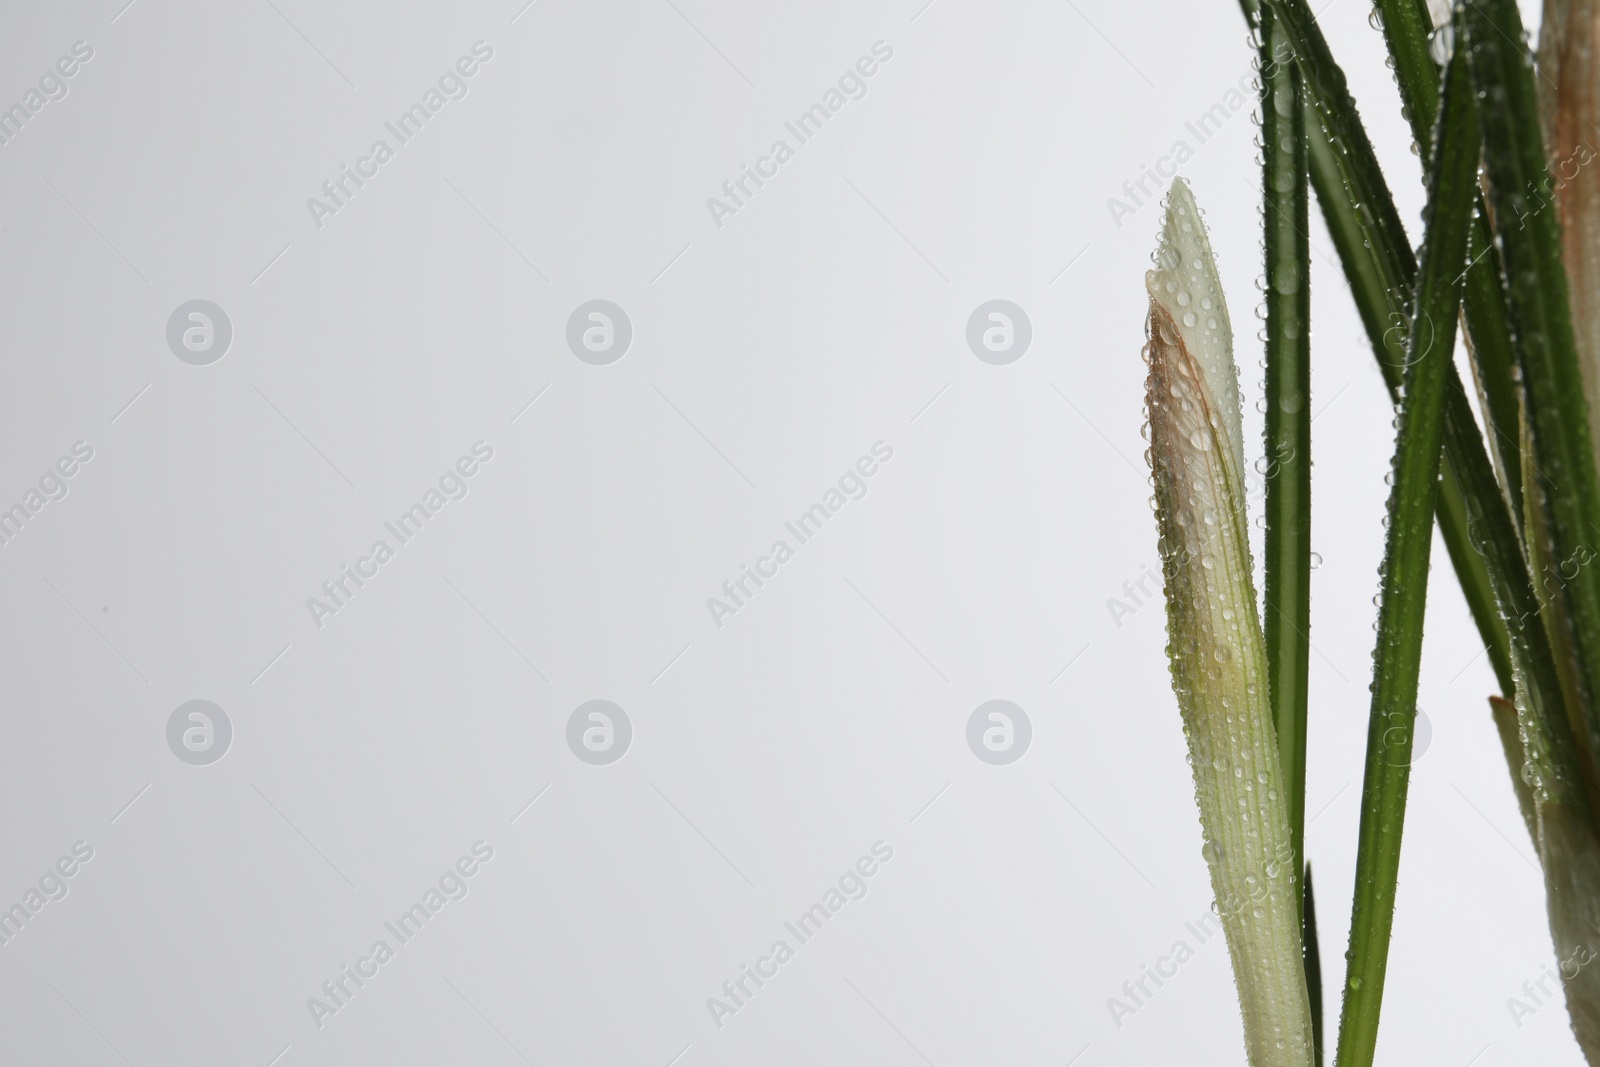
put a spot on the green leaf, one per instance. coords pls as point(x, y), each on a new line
point(1286, 615)
point(1430, 350)
point(1562, 500)
point(1493, 357)
point(1407, 27)
point(1381, 269)
point(1538, 690)
point(1372, 210)
point(1537, 677)
point(1406, 30)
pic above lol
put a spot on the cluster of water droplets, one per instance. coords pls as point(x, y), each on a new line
point(1536, 755)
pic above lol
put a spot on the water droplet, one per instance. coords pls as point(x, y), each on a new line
point(1442, 43)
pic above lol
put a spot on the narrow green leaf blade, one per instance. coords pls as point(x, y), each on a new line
point(1563, 499)
point(1430, 351)
point(1357, 171)
point(1407, 28)
point(1286, 618)
point(1381, 269)
point(1495, 529)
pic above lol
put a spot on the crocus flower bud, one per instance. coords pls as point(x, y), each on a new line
point(1214, 640)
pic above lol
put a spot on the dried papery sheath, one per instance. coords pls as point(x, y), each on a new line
point(1570, 855)
point(1214, 639)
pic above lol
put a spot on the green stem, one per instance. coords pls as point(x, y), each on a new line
point(1405, 570)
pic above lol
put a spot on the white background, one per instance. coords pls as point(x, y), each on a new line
point(768, 354)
